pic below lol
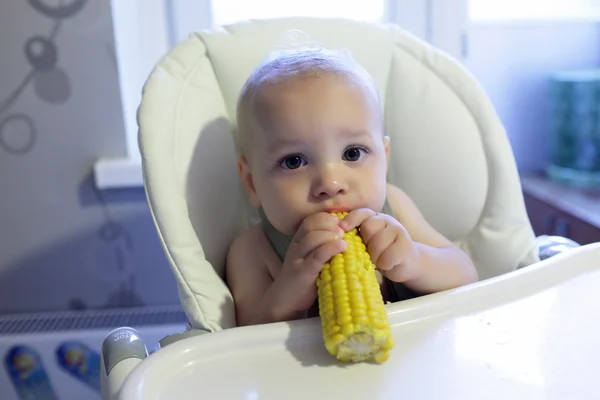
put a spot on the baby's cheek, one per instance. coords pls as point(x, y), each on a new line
point(373, 197)
point(282, 212)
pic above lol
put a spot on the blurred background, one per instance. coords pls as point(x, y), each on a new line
point(75, 229)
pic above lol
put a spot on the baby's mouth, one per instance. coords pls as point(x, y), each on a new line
point(337, 209)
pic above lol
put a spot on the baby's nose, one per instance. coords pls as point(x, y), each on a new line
point(330, 183)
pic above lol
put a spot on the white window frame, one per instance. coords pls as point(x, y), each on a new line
point(141, 35)
point(144, 31)
point(584, 13)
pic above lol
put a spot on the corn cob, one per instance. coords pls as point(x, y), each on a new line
point(353, 317)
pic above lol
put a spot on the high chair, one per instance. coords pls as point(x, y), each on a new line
point(449, 152)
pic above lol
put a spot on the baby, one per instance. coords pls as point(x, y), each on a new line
point(312, 141)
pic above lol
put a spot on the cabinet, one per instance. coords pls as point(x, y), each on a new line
point(555, 209)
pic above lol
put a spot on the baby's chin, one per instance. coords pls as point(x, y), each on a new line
point(289, 229)
point(286, 227)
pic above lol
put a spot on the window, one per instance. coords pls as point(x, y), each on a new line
point(533, 9)
point(229, 11)
point(186, 16)
point(145, 29)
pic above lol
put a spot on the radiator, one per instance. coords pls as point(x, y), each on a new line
point(56, 356)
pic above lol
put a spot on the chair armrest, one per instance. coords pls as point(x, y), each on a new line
point(549, 246)
point(175, 337)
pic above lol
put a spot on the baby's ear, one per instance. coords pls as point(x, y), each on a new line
point(386, 147)
point(247, 180)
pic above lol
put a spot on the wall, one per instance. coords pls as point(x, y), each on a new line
point(64, 244)
point(513, 62)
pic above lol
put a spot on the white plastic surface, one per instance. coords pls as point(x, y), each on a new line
point(531, 334)
point(65, 386)
point(119, 373)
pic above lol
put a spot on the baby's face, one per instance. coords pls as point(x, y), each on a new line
point(322, 148)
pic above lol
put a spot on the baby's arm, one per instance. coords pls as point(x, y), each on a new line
point(442, 265)
point(262, 298)
point(250, 282)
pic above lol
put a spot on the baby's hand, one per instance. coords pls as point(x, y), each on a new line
point(318, 239)
point(389, 244)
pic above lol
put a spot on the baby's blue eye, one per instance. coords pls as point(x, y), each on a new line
point(353, 153)
point(292, 162)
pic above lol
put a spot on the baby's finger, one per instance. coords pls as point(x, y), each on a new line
point(318, 222)
point(371, 227)
point(395, 261)
point(312, 241)
point(322, 254)
point(356, 217)
point(380, 243)
point(392, 259)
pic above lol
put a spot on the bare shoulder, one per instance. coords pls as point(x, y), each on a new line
point(251, 264)
point(248, 272)
point(246, 239)
point(245, 252)
point(409, 215)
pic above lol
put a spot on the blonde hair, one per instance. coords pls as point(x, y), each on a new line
point(296, 56)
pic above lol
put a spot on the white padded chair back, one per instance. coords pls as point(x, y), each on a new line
point(449, 151)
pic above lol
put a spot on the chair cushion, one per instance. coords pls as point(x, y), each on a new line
point(449, 151)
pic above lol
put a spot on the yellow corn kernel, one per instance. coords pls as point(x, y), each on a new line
point(353, 317)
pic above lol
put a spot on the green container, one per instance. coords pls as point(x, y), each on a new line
point(575, 128)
